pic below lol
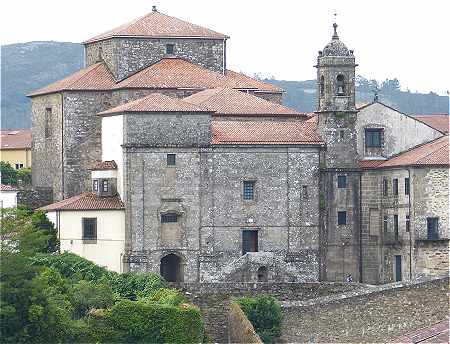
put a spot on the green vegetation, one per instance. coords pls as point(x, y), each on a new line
point(53, 298)
point(11, 176)
point(264, 312)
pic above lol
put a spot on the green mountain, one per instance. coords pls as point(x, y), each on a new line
point(29, 66)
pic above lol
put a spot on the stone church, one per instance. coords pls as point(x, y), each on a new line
point(161, 159)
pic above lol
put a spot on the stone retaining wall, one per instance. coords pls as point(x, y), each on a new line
point(240, 330)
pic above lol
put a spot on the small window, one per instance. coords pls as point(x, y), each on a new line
point(171, 159)
point(373, 137)
point(342, 182)
point(395, 186)
point(249, 190)
point(89, 228)
point(432, 228)
point(407, 223)
point(105, 185)
point(19, 166)
point(48, 122)
point(342, 217)
point(169, 49)
point(385, 187)
point(406, 186)
point(305, 191)
point(385, 223)
point(341, 134)
point(169, 218)
point(396, 227)
point(340, 85)
point(95, 185)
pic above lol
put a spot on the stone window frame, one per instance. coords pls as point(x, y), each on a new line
point(380, 131)
point(169, 217)
point(395, 187)
point(171, 160)
point(170, 49)
point(172, 206)
point(407, 186)
point(48, 122)
point(89, 239)
point(342, 181)
point(435, 235)
point(342, 218)
point(385, 187)
point(340, 82)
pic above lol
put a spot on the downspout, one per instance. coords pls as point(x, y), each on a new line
point(410, 227)
point(224, 56)
point(360, 230)
point(58, 225)
point(62, 144)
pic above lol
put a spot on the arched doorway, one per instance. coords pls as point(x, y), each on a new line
point(171, 268)
point(262, 274)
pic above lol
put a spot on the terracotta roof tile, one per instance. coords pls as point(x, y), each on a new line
point(370, 163)
point(87, 201)
point(4, 187)
point(95, 77)
point(105, 165)
point(265, 132)
point(227, 101)
point(16, 139)
point(158, 25)
point(432, 153)
point(178, 73)
point(439, 122)
point(155, 102)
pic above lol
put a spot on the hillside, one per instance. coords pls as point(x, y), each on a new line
point(29, 66)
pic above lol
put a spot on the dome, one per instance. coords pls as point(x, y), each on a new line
point(336, 47)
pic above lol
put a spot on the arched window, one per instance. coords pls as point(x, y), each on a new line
point(322, 86)
point(340, 85)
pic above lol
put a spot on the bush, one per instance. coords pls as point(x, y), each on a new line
point(8, 173)
point(264, 312)
point(165, 296)
point(136, 285)
point(138, 321)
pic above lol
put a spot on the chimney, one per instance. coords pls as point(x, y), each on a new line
point(154, 9)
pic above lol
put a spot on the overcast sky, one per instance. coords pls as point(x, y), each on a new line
point(407, 39)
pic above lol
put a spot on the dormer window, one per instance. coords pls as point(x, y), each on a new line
point(340, 85)
point(169, 49)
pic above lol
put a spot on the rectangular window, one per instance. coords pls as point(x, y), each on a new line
point(105, 186)
point(396, 227)
point(89, 228)
point(249, 190)
point(342, 217)
point(432, 228)
point(385, 223)
point(373, 137)
point(406, 186)
point(249, 241)
point(169, 49)
point(19, 166)
point(95, 185)
point(342, 182)
point(48, 122)
point(385, 187)
point(169, 218)
point(171, 159)
point(395, 186)
point(407, 223)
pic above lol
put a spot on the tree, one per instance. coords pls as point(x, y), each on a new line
point(24, 175)
point(9, 174)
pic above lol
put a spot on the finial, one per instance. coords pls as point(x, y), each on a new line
point(375, 95)
point(154, 9)
point(335, 35)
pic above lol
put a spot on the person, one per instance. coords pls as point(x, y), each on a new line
point(349, 278)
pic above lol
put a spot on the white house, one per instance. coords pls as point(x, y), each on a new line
point(8, 196)
point(92, 224)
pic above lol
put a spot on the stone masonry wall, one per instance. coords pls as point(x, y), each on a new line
point(47, 170)
point(240, 329)
point(134, 54)
point(367, 317)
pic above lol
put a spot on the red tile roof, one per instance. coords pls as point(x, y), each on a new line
point(5, 187)
point(95, 77)
point(437, 121)
point(434, 153)
point(155, 102)
point(158, 25)
point(87, 201)
point(16, 139)
point(178, 73)
point(228, 101)
point(264, 132)
point(368, 164)
point(105, 165)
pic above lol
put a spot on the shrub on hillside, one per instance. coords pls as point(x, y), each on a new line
point(133, 285)
point(264, 312)
point(166, 296)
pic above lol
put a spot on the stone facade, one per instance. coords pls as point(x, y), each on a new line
point(126, 56)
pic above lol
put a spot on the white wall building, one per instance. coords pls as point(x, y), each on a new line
point(8, 196)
